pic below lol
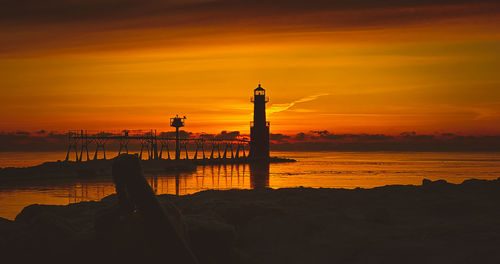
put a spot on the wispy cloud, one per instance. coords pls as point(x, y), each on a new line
point(69, 26)
point(276, 108)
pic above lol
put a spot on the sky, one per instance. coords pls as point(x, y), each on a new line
point(354, 66)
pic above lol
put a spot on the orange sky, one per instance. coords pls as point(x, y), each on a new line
point(342, 66)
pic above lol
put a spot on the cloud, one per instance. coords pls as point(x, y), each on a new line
point(228, 135)
point(311, 141)
point(51, 11)
point(126, 24)
point(278, 137)
point(406, 141)
point(276, 108)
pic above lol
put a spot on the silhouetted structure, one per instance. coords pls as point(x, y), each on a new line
point(159, 227)
point(259, 140)
point(177, 122)
point(259, 128)
point(79, 142)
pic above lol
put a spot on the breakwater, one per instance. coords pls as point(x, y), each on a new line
point(102, 168)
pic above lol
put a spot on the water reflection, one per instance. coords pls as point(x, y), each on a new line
point(15, 197)
point(321, 169)
point(86, 191)
point(216, 177)
point(259, 175)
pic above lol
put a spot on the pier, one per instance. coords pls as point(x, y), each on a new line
point(154, 146)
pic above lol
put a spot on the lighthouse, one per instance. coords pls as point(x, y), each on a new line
point(259, 128)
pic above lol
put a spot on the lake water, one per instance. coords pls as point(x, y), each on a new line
point(312, 169)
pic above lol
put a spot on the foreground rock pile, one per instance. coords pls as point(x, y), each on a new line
point(437, 222)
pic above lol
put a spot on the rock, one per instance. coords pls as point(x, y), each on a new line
point(379, 215)
point(427, 182)
point(6, 225)
point(49, 224)
point(435, 223)
point(212, 240)
point(475, 182)
point(207, 230)
point(240, 213)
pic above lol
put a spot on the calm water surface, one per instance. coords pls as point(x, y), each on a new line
point(313, 169)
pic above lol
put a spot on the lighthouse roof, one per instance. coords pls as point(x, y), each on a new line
point(259, 88)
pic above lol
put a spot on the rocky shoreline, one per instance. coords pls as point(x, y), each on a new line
point(436, 222)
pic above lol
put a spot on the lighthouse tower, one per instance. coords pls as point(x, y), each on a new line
point(259, 128)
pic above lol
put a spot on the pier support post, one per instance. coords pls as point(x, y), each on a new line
point(225, 151)
point(87, 150)
point(140, 153)
point(81, 148)
point(203, 148)
point(196, 151)
point(100, 142)
point(76, 153)
point(161, 149)
point(238, 150)
point(155, 146)
point(148, 150)
point(96, 150)
point(218, 149)
point(213, 148)
point(177, 145)
point(168, 151)
point(67, 154)
point(104, 151)
point(72, 145)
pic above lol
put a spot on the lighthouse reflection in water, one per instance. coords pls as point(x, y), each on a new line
point(313, 169)
point(217, 177)
point(259, 175)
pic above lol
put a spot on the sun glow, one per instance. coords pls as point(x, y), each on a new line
point(323, 71)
